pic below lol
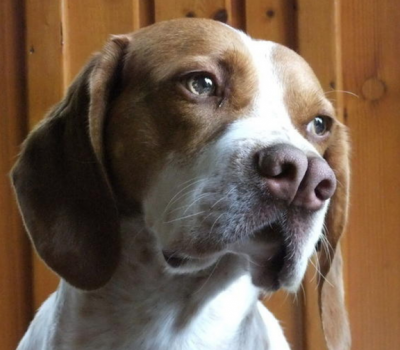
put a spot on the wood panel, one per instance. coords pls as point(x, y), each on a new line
point(217, 9)
point(15, 279)
point(318, 40)
point(143, 13)
point(371, 54)
point(273, 20)
point(44, 56)
point(88, 24)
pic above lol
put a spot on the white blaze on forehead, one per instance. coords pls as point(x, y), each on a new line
point(269, 121)
point(270, 95)
point(269, 102)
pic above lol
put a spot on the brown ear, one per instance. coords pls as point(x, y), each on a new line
point(62, 189)
point(331, 291)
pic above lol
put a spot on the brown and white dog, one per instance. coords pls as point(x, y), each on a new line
point(188, 168)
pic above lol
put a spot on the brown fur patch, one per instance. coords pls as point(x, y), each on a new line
point(154, 115)
point(303, 95)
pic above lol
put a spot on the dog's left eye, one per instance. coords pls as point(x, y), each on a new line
point(201, 84)
point(319, 125)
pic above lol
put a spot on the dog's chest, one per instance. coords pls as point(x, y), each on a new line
point(153, 323)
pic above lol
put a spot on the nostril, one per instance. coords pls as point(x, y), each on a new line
point(286, 170)
point(318, 185)
point(324, 189)
point(281, 168)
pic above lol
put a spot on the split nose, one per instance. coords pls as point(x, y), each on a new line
point(291, 176)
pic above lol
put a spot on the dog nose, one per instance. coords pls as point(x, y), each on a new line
point(291, 176)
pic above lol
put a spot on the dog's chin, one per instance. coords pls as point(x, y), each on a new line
point(281, 271)
point(275, 260)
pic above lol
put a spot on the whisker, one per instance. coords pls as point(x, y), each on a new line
point(215, 222)
point(173, 199)
point(222, 198)
point(342, 91)
point(191, 180)
point(196, 200)
point(184, 217)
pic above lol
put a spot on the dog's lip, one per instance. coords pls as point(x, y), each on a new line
point(177, 259)
point(173, 259)
point(272, 259)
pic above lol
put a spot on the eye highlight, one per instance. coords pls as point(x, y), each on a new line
point(201, 84)
point(319, 126)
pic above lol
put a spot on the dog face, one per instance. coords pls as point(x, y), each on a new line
point(220, 143)
point(189, 139)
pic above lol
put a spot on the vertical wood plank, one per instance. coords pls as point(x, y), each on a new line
point(15, 278)
point(371, 54)
point(273, 20)
point(88, 24)
point(237, 13)
point(216, 9)
point(143, 13)
point(318, 40)
point(43, 50)
point(44, 56)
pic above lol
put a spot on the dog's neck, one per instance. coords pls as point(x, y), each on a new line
point(145, 306)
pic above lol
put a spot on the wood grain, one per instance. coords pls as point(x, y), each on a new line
point(169, 9)
point(88, 24)
point(44, 45)
point(15, 276)
point(317, 40)
point(273, 20)
point(371, 50)
point(143, 13)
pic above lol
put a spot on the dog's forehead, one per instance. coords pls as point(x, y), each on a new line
point(166, 44)
point(281, 73)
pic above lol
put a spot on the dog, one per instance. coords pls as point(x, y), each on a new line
point(188, 170)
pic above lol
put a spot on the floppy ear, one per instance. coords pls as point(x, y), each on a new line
point(331, 291)
point(62, 189)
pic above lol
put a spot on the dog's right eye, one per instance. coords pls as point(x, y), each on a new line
point(201, 84)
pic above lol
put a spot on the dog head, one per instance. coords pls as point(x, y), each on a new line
point(222, 144)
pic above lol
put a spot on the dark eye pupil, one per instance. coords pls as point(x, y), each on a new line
point(319, 125)
point(203, 85)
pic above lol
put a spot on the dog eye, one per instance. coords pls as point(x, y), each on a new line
point(320, 125)
point(201, 84)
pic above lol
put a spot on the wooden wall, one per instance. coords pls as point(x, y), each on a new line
point(353, 45)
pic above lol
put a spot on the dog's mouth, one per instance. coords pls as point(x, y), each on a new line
point(273, 257)
point(182, 263)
